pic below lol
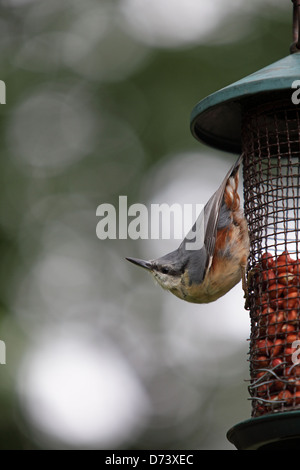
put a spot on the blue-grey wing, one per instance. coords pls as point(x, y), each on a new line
point(204, 231)
point(216, 212)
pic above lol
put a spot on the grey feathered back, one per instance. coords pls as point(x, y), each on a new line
point(214, 215)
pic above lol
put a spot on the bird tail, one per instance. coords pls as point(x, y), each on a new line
point(231, 196)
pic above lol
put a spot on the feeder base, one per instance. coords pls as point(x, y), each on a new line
point(278, 431)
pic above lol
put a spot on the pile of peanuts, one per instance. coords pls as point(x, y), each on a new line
point(275, 375)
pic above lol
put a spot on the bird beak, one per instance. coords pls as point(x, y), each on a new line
point(140, 262)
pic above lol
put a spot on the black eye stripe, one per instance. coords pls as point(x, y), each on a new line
point(167, 270)
point(170, 271)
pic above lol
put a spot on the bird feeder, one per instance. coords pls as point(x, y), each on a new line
point(259, 116)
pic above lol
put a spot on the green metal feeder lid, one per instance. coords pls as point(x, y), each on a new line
point(277, 431)
point(216, 120)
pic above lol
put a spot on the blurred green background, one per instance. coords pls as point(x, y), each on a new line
point(99, 95)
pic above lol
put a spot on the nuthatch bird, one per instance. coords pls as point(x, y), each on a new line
point(203, 275)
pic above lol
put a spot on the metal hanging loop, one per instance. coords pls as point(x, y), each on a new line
point(295, 46)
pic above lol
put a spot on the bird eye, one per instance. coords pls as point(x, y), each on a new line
point(164, 270)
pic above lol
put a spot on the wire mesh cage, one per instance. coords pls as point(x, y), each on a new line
point(271, 145)
point(258, 115)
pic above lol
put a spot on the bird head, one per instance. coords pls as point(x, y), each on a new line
point(167, 271)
